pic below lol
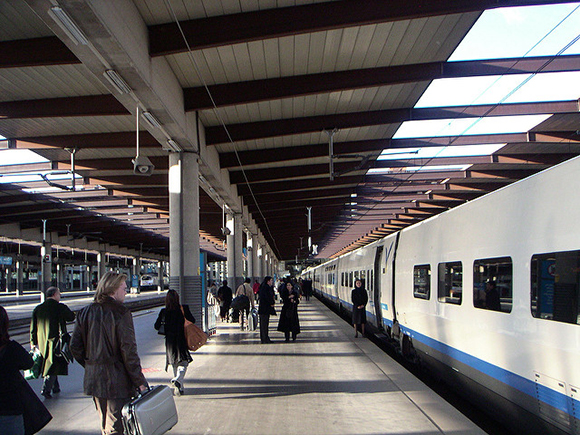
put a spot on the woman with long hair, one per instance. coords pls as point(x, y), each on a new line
point(103, 342)
point(13, 358)
point(289, 322)
point(171, 322)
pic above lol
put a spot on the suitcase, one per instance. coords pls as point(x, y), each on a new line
point(150, 413)
point(253, 320)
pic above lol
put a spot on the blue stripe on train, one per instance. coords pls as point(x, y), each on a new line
point(551, 397)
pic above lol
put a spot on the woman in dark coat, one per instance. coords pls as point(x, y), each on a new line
point(172, 317)
point(13, 358)
point(289, 322)
point(359, 298)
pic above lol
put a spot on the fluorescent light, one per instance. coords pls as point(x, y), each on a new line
point(117, 81)
point(68, 25)
point(173, 146)
point(151, 119)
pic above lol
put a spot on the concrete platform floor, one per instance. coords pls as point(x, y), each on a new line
point(327, 382)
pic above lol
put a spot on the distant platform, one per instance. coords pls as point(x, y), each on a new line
point(327, 383)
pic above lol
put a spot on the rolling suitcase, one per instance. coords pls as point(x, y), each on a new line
point(253, 320)
point(150, 413)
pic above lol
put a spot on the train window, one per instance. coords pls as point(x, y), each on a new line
point(450, 282)
point(350, 280)
point(422, 281)
point(555, 286)
point(492, 284)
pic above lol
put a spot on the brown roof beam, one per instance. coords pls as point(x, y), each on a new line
point(289, 126)
point(42, 51)
point(89, 105)
point(208, 32)
point(225, 94)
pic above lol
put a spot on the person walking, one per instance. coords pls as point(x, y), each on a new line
point(224, 295)
point(289, 322)
point(246, 289)
point(359, 299)
point(172, 320)
point(103, 342)
point(266, 307)
point(46, 326)
point(13, 358)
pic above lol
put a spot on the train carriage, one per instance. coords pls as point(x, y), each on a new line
point(487, 296)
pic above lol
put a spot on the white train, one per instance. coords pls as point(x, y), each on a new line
point(487, 296)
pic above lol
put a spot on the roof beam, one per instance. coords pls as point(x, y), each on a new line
point(203, 33)
point(47, 50)
point(283, 127)
point(226, 94)
point(89, 105)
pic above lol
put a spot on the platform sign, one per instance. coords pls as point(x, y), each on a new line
point(135, 281)
point(5, 261)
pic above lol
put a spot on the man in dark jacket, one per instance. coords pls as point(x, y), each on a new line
point(103, 342)
point(266, 307)
point(47, 324)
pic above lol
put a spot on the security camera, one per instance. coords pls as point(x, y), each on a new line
point(226, 231)
point(142, 166)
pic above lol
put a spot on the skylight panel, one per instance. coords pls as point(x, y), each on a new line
point(469, 126)
point(19, 157)
point(522, 31)
point(446, 151)
point(518, 88)
point(425, 168)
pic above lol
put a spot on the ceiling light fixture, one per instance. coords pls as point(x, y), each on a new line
point(171, 145)
point(68, 25)
point(151, 119)
point(117, 81)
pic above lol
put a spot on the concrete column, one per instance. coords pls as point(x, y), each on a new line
point(250, 253)
point(184, 230)
point(87, 277)
point(255, 260)
point(46, 268)
point(101, 260)
point(161, 273)
point(19, 277)
point(231, 253)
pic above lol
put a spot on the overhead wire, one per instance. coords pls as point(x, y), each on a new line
point(222, 122)
point(487, 112)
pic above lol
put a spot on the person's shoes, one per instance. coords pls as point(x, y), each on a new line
point(55, 390)
point(177, 390)
point(293, 338)
point(355, 335)
point(287, 340)
point(46, 394)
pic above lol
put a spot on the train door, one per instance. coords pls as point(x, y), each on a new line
point(377, 287)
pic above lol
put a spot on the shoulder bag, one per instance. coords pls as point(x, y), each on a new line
point(62, 344)
point(194, 336)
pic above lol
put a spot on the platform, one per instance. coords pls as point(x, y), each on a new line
point(327, 382)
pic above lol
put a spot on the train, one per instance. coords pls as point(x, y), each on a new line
point(485, 296)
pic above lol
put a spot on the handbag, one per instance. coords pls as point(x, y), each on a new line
point(161, 330)
point(35, 414)
point(240, 302)
point(62, 347)
point(34, 371)
point(194, 336)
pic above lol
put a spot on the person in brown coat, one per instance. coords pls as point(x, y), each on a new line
point(103, 342)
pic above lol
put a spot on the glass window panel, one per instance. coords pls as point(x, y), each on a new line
point(450, 282)
point(422, 281)
point(555, 283)
point(492, 284)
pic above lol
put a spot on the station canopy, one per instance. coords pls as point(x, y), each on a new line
point(371, 115)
